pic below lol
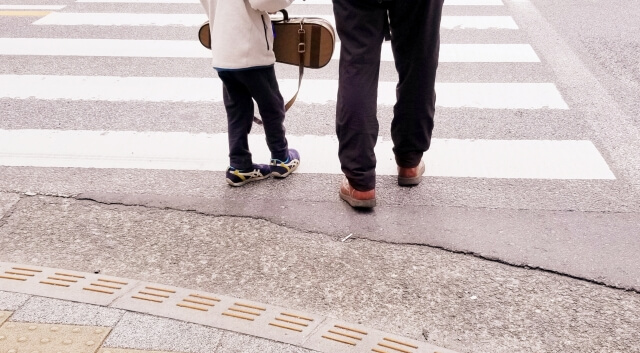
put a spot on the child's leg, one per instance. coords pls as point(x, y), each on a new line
point(239, 106)
point(264, 89)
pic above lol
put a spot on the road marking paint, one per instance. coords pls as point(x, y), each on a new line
point(187, 89)
point(193, 49)
point(143, 1)
point(474, 3)
point(32, 7)
point(487, 53)
point(103, 47)
point(24, 13)
point(517, 159)
point(196, 20)
point(478, 22)
point(495, 96)
point(122, 19)
point(446, 3)
point(303, 2)
point(471, 53)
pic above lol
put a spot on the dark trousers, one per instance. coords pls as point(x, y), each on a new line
point(415, 40)
point(240, 88)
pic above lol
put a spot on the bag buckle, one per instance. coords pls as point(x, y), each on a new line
point(301, 46)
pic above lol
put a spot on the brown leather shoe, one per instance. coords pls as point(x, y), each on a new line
point(357, 198)
point(410, 176)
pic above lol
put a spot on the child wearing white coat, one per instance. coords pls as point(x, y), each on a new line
point(242, 49)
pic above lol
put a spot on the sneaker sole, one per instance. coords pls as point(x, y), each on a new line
point(358, 203)
point(412, 181)
point(281, 176)
point(230, 182)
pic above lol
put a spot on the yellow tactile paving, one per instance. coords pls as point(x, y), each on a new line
point(4, 316)
point(279, 324)
point(25, 13)
point(121, 350)
point(28, 337)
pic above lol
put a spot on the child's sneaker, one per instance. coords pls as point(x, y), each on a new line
point(281, 169)
point(237, 177)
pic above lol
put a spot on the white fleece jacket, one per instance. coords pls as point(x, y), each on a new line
point(241, 34)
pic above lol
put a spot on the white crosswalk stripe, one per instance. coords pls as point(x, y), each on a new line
point(196, 20)
point(304, 2)
point(477, 158)
point(31, 7)
point(121, 19)
point(478, 22)
point(193, 49)
point(186, 89)
point(187, 151)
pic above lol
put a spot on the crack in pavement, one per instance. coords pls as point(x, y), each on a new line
point(495, 259)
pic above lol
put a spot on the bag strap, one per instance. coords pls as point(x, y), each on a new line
point(301, 51)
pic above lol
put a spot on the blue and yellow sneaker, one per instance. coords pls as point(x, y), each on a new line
point(281, 169)
point(237, 177)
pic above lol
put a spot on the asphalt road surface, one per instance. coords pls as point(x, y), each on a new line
point(534, 165)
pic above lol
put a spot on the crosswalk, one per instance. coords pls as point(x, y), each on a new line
point(186, 49)
point(542, 159)
point(196, 20)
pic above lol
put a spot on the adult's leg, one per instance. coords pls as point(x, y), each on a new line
point(360, 26)
point(415, 40)
point(262, 84)
point(239, 107)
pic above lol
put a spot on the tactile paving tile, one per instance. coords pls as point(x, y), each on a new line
point(62, 284)
point(4, 316)
point(124, 350)
point(18, 337)
point(222, 312)
point(337, 336)
point(267, 321)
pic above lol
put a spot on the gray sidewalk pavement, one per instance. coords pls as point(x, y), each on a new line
point(451, 300)
point(122, 331)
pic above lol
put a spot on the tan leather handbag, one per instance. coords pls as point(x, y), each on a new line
point(311, 39)
point(301, 41)
point(307, 39)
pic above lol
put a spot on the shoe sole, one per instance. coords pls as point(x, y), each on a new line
point(412, 181)
point(358, 203)
point(230, 182)
point(282, 176)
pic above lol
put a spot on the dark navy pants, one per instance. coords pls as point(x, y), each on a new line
point(240, 88)
point(362, 26)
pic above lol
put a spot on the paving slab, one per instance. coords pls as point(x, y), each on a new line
point(222, 312)
point(64, 284)
point(55, 311)
point(30, 337)
point(153, 301)
point(12, 301)
point(155, 333)
point(232, 342)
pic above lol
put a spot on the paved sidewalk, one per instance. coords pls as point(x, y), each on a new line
point(49, 325)
point(56, 310)
point(412, 294)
